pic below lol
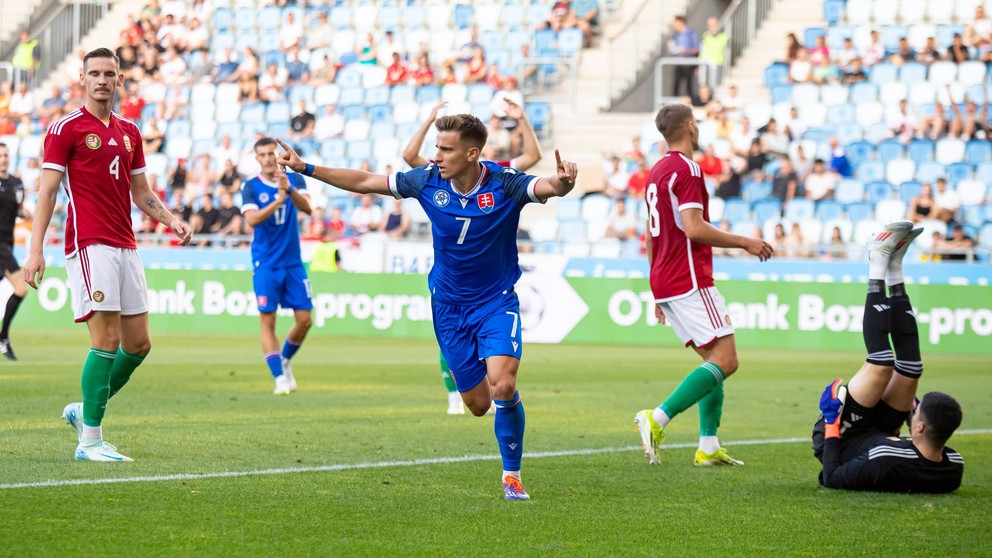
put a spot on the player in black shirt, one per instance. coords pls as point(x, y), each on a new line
point(856, 437)
point(11, 199)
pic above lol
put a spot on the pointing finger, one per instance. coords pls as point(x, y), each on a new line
point(558, 160)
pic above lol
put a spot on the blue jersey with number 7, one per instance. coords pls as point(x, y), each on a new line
point(276, 240)
point(475, 234)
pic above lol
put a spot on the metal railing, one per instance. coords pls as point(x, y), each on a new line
point(545, 82)
point(709, 72)
point(633, 44)
point(741, 22)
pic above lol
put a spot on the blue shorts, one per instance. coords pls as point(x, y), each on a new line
point(286, 286)
point(469, 334)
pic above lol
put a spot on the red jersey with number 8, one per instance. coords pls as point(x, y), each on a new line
point(98, 159)
point(679, 266)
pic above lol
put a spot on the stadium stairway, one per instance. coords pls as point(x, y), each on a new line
point(788, 16)
point(106, 33)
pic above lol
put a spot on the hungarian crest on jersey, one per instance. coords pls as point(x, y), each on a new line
point(486, 202)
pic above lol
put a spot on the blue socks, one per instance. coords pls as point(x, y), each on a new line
point(509, 427)
point(274, 363)
point(289, 349)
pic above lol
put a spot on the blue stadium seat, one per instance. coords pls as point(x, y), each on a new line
point(810, 35)
point(269, 18)
point(491, 40)
point(514, 16)
point(428, 94)
point(544, 39)
point(767, 209)
point(414, 17)
point(571, 229)
point(403, 93)
point(333, 148)
point(570, 41)
point(360, 150)
point(920, 150)
point(909, 190)
point(736, 210)
point(517, 39)
point(479, 93)
point(956, 172)
point(859, 211)
point(382, 129)
point(179, 127)
point(377, 95)
point(978, 151)
point(222, 20)
point(945, 34)
point(890, 149)
point(928, 171)
point(799, 209)
point(833, 11)
point(341, 17)
point(848, 191)
point(389, 17)
point(381, 113)
point(539, 115)
point(463, 16)
point(849, 133)
point(864, 92)
point(253, 113)
point(877, 132)
point(879, 190)
point(859, 152)
point(883, 72)
point(828, 210)
point(277, 111)
point(983, 172)
point(836, 35)
point(776, 74)
point(891, 35)
point(277, 129)
point(353, 112)
point(781, 94)
point(870, 171)
point(841, 114)
point(244, 19)
point(229, 129)
point(247, 39)
point(913, 72)
point(985, 235)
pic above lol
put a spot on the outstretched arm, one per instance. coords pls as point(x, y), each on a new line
point(532, 147)
point(560, 184)
point(698, 230)
point(411, 153)
point(357, 181)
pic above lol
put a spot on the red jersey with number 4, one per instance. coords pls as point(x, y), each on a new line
point(680, 266)
point(98, 159)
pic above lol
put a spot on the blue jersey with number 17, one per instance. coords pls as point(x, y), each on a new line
point(276, 240)
point(475, 234)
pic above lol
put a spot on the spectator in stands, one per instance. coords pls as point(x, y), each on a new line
point(177, 175)
point(795, 125)
point(224, 151)
point(476, 68)
point(21, 102)
point(197, 36)
point(153, 135)
point(368, 52)
point(621, 223)
point(397, 72)
point(903, 54)
point(51, 108)
point(249, 65)
point(774, 141)
point(422, 73)
point(797, 245)
point(836, 249)
point(499, 104)
point(725, 227)
point(874, 51)
point(755, 161)
point(200, 178)
point(820, 183)
point(615, 178)
point(958, 52)
point(7, 125)
point(128, 61)
point(229, 221)
point(206, 221)
point(27, 57)
point(948, 202)
point(823, 68)
point(336, 226)
point(297, 72)
point(330, 124)
point(978, 33)
point(290, 33)
point(929, 54)
point(801, 69)
point(638, 182)
point(498, 145)
point(201, 68)
point(703, 104)
point(724, 126)
point(742, 137)
point(561, 17)
point(845, 55)
point(247, 88)
point(272, 83)
point(226, 69)
point(387, 47)
point(792, 47)
point(838, 159)
point(529, 71)
point(969, 125)
point(785, 183)
point(684, 44)
point(779, 239)
point(936, 126)
point(729, 185)
point(585, 14)
point(181, 204)
point(854, 73)
point(634, 152)
point(709, 164)
point(713, 45)
point(229, 179)
point(324, 72)
point(366, 217)
point(959, 245)
point(31, 176)
point(902, 121)
point(923, 205)
point(302, 124)
point(132, 103)
point(448, 74)
point(315, 227)
point(396, 223)
point(320, 33)
point(174, 104)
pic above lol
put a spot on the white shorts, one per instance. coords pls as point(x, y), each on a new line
point(106, 279)
point(700, 318)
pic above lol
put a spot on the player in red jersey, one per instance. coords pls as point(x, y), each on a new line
point(531, 155)
point(680, 253)
point(96, 156)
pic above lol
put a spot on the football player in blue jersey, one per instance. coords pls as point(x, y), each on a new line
point(474, 208)
point(279, 278)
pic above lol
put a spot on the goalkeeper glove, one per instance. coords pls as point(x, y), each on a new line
point(832, 406)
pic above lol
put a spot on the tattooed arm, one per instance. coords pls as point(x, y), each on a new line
point(147, 201)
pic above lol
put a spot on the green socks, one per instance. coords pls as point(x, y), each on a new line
point(96, 385)
point(711, 411)
point(696, 385)
point(449, 383)
point(124, 365)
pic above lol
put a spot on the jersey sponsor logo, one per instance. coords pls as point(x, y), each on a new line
point(93, 141)
point(127, 143)
point(441, 198)
point(486, 202)
point(98, 296)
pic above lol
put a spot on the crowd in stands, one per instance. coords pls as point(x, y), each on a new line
point(343, 83)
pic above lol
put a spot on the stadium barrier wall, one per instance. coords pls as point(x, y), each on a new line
point(554, 308)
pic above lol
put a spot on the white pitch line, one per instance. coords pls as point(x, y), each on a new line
point(405, 463)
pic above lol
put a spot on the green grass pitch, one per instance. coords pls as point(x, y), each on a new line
point(363, 460)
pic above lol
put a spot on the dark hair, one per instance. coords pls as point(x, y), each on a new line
point(671, 120)
point(264, 142)
point(941, 414)
point(101, 53)
point(818, 161)
point(680, 19)
point(469, 128)
point(3, 145)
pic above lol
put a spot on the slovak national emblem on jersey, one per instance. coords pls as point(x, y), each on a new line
point(486, 202)
point(441, 198)
point(127, 143)
point(93, 141)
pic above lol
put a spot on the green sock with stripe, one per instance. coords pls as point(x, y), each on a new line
point(96, 385)
point(694, 387)
point(124, 365)
point(711, 411)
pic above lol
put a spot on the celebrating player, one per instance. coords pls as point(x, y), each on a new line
point(97, 157)
point(680, 253)
point(856, 436)
point(531, 155)
point(279, 278)
point(474, 208)
point(11, 207)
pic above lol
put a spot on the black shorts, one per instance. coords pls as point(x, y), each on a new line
point(862, 427)
point(7, 261)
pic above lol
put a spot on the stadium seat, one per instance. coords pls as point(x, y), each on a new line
point(883, 72)
point(414, 17)
point(356, 130)
point(912, 72)
point(929, 171)
point(978, 151)
point(277, 111)
point(864, 92)
point(908, 191)
point(849, 190)
point(849, 133)
point(427, 94)
point(403, 93)
point(898, 171)
point(868, 113)
point(781, 94)
point(736, 210)
point(568, 208)
point(544, 229)
point(859, 152)
point(879, 191)
point(605, 248)
point(878, 132)
point(799, 208)
point(382, 112)
point(539, 115)
point(377, 95)
point(833, 12)
point(884, 12)
point(845, 226)
point(333, 148)
point(858, 12)
point(827, 210)
point(922, 92)
point(890, 210)
point(752, 190)
point(767, 209)
point(776, 74)
point(889, 150)
point(985, 235)
point(950, 150)
point(920, 150)
point(892, 92)
point(940, 11)
point(810, 34)
point(859, 211)
point(971, 192)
